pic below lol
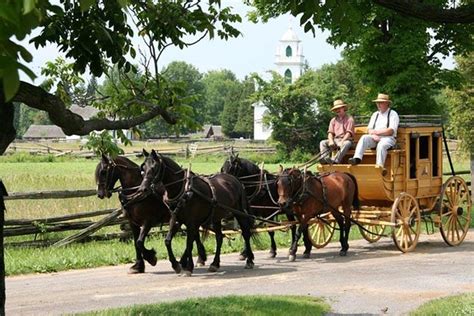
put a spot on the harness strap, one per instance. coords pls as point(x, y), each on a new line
point(388, 118)
point(325, 199)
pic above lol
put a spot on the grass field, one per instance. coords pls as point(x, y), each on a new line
point(229, 305)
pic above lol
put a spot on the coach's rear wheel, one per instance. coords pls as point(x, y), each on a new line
point(373, 233)
point(320, 233)
point(455, 212)
point(407, 222)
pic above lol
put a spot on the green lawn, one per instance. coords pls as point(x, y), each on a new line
point(229, 305)
point(447, 306)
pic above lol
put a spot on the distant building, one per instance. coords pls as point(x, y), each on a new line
point(44, 132)
point(289, 61)
point(213, 131)
point(38, 132)
point(289, 58)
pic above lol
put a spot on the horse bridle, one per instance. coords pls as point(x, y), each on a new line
point(158, 178)
point(294, 192)
point(109, 177)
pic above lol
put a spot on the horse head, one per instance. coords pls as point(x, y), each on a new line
point(288, 184)
point(152, 172)
point(232, 165)
point(105, 175)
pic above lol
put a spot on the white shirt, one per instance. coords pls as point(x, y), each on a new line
point(381, 122)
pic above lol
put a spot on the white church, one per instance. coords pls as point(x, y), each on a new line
point(289, 61)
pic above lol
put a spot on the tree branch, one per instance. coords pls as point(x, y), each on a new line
point(72, 123)
point(463, 14)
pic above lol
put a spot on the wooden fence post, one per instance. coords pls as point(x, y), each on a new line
point(3, 192)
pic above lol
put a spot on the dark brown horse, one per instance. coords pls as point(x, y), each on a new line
point(142, 214)
point(308, 195)
point(261, 189)
point(198, 201)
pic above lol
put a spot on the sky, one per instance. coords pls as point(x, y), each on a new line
point(253, 51)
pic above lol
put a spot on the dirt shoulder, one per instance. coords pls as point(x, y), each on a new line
point(372, 279)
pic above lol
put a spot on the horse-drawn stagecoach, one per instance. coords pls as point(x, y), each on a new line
point(408, 191)
point(403, 195)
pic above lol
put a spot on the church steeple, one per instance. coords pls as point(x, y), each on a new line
point(289, 56)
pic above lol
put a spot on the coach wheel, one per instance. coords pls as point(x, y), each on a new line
point(406, 218)
point(455, 211)
point(320, 233)
point(372, 233)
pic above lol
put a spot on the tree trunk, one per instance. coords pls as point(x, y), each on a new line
point(3, 192)
point(7, 130)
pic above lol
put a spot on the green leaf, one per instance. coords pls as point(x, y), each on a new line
point(86, 4)
point(11, 82)
point(28, 6)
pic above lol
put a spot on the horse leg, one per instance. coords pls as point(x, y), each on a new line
point(173, 228)
point(347, 228)
point(148, 254)
point(139, 265)
point(187, 258)
point(291, 218)
point(216, 263)
point(202, 257)
point(307, 243)
point(250, 256)
point(340, 221)
point(294, 247)
point(273, 246)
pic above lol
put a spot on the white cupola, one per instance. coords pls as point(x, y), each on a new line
point(289, 58)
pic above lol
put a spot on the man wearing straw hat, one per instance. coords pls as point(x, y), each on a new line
point(340, 135)
point(382, 131)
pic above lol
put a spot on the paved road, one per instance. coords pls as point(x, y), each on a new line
point(372, 279)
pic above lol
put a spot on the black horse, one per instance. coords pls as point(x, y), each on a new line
point(198, 201)
point(261, 189)
point(142, 214)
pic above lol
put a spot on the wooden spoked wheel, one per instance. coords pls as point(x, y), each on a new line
point(320, 233)
point(374, 232)
point(406, 218)
point(455, 211)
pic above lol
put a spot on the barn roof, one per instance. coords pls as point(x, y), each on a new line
point(44, 131)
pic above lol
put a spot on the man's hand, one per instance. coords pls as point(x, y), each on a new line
point(332, 145)
point(375, 137)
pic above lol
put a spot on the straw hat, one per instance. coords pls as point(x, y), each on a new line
point(338, 104)
point(382, 98)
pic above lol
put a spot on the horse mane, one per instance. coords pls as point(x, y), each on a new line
point(251, 167)
point(118, 160)
point(171, 163)
point(125, 161)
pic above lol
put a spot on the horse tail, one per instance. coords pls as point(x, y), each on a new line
point(355, 201)
point(246, 206)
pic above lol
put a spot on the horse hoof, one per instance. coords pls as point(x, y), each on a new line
point(291, 258)
point(153, 261)
point(306, 255)
point(242, 257)
point(249, 265)
point(177, 269)
point(200, 263)
point(272, 255)
point(187, 273)
point(133, 270)
point(343, 253)
point(213, 268)
point(138, 267)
